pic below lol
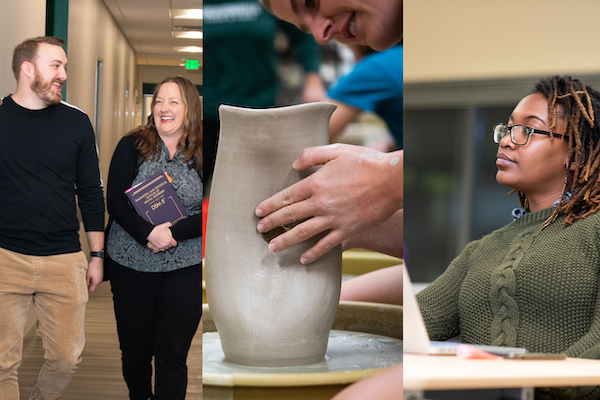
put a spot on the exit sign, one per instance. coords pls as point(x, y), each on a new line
point(192, 64)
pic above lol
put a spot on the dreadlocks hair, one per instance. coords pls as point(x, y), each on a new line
point(579, 105)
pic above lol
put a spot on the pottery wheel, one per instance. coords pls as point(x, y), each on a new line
point(346, 351)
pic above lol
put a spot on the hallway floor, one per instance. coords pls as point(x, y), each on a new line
point(99, 376)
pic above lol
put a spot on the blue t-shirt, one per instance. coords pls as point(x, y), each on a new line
point(375, 85)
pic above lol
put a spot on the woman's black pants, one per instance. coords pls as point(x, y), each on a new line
point(157, 316)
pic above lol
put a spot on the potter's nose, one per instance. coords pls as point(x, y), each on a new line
point(322, 29)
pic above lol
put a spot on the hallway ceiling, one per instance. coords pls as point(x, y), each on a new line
point(151, 25)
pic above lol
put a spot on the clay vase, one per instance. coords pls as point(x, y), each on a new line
point(268, 308)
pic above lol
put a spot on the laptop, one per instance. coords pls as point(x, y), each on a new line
point(415, 336)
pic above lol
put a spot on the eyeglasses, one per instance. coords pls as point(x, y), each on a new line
point(519, 134)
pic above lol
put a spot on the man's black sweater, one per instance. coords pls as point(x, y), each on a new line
point(48, 158)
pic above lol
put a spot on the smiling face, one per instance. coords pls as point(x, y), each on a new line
point(538, 168)
point(373, 23)
point(49, 73)
point(169, 111)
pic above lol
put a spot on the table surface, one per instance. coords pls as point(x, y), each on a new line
point(453, 373)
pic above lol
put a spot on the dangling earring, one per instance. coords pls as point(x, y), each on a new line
point(526, 203)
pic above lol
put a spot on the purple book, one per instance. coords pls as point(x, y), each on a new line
point(156, 200)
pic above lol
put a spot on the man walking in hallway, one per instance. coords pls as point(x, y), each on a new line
point(48, 166)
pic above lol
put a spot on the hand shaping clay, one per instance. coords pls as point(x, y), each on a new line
point(269, 309)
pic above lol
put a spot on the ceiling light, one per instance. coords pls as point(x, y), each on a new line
point(193, 13)
point(188, 49)
point(188, 35)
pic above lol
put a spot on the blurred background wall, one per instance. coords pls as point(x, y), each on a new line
point(13, 31)
point(94, 38)
point(467, 63)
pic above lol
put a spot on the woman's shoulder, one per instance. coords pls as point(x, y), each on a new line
point(128, 141)
point(594, 217)
point(587, 226)
point(126, 149)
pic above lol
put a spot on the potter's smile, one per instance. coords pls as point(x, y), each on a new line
point(351, 25)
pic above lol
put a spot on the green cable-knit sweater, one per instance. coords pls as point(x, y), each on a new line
point(522, 286)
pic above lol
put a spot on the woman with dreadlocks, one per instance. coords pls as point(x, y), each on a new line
point(535, 282)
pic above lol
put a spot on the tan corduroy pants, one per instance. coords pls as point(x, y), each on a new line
point(57, 285)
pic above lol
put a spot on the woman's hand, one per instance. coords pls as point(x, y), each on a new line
point(355, 189)
point(161, 238)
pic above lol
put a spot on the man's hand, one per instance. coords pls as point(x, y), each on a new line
point(95, 273)
point(355, 189)
point(386, 237)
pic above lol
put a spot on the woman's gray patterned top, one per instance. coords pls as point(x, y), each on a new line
point(187, 183)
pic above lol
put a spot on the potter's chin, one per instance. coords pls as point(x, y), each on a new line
point(384, 42)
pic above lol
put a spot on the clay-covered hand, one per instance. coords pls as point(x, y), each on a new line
point(386, 237)
point(355, 189)
point(161, 238)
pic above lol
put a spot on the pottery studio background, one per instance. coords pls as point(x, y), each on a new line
point(253, 60)
point(467, 64)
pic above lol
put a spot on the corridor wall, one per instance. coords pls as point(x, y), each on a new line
point(19, 20)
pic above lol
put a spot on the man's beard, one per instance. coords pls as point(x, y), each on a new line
point(45, 90)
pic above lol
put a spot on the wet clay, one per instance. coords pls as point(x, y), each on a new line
point(347, 351)
point(269, 309)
